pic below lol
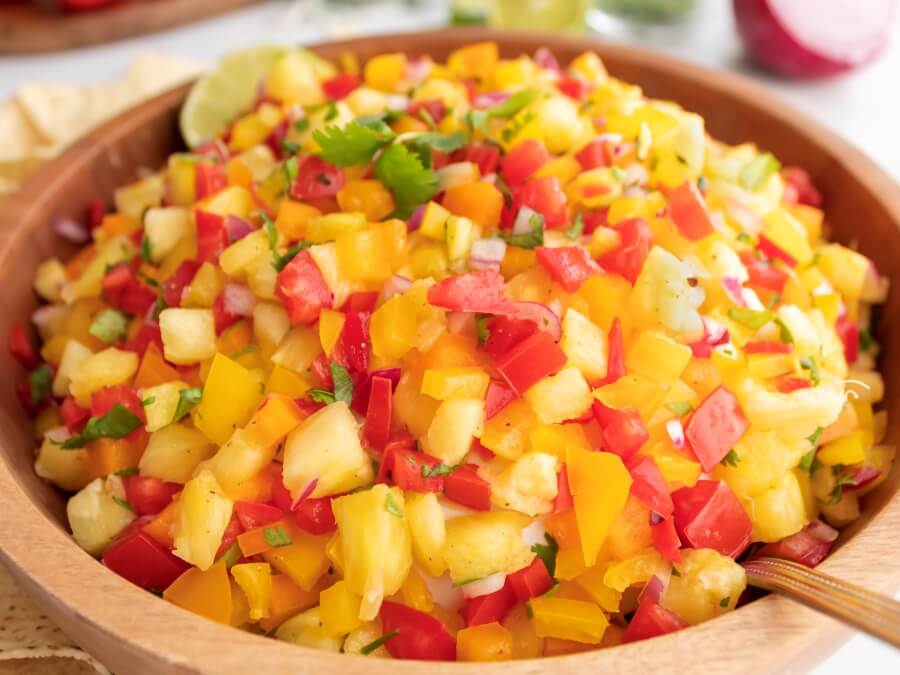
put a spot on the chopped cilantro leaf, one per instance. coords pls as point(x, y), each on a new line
point(532, 238)
point(276, 537)
point(511, 106)
point(815, 436)
point(679, 408)
point(576, 228)
point(675, 572)
point(618, 174)
point(117, 423)
point(187, 399)
point(732, 458)
point(866, 340)
point(402, 172)
point(150, 400)
point(281, 260)
point(806, 462)
point(481, 328)
point(758, 170)
point(807, 363)
point(784, 333)
point(146, 249)
point(441, 142)
point(745, 237)
point(392, 507)
point(435, 471)
point(231, 555)
point(288, 147)
point(724, 602)
point(302, 124)
point(290, 168)
point(321, 395)
point(837, 492)
point(343, 385)
point(123, 503)
point(547, 553)
point(353, 145)
point(751, 318)
point(367, 649)
point(109, 326)
point(249, 349)
point(40, 381)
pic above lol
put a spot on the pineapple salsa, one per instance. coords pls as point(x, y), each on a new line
point(477, 360)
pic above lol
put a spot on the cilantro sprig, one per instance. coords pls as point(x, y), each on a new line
point(547, 553)
point(354, 144)
point(402, 172)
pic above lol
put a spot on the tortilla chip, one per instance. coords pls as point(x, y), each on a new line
point(29, 637)
point(18, 133)
point(154, 73)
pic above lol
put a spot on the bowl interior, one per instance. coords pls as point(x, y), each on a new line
point(862, 207)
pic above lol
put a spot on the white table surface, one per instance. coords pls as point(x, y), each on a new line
point(864, 106)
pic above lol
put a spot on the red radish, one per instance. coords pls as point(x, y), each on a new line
point(802, 39)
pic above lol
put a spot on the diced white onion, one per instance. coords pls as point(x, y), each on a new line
point(239, 300)
point(522, 224)
point(675, 432)
point(487, 253)
point(490, 584)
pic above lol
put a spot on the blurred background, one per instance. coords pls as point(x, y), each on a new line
point(67, 65)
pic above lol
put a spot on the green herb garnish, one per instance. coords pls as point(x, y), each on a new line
point(276, 537)
point(392, 507)
point(109, 326)
point(187, 399)
point(531, 239)
point(575, 230)
point(751, 318)
point(117, 423)
point(343, 385)
point(547, 553)
point(732, 458)
point(679, 408)
point(758, 170)
point(367, 649)
point(40, 381)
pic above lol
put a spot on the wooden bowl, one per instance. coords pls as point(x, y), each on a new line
point(133, 632)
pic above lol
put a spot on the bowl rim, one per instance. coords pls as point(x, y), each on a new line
point(131, 631)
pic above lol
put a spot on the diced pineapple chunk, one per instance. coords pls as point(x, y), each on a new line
point(237, 462)
point(203, 514)
point(560, 397)
point(798, 414)
point(663, 295)
point(88, 285)
point(132, 200)
point(104, 369)
point(762, 459)
point(163, 402)
point(305, 629)
point(243, 252)
point(326, 259)
point(456, 422)
point(364, 635)
point(173, 452)
point(73, 358)
point(292, 79)
point(298, 349)
point(777, 512)
point(270, 324)
point(326, 449)
point(485, 543)
point(508, 433)
point(463, 382)
point(427, 531)
point(188, 335)
point(164, 227)
point(528, 484)
point(708, 584)
point(585, 345)
point(98, 513)
point(375, 544)
point(658, 357)
point(66, 468)
point(49, 279)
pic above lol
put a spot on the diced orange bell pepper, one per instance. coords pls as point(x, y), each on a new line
point(395, 236)
point(205, 593)
point(368, 196)
point(599, 483)
point(240, 607)
point(80, 261)
point(235, 338)
point(111, 455)
point(554, 646)
point(304, 561)
point(117, 223)
point(485, 642)
point(452, 350)
point(255, 580)
point(238, 173)
point(476, 60)
point(408, 123)
point(262, 539)
point(553, 438)
point(331, 322)
point(481, 202)
point(339, 609)
point(593, 584)
point(392, 328)
point(287, 599)
point(414, 592)
point(285, 381)
point(568, 619)
point(630, 533)
point(258, 488)
point(154, 369)
point(563, 527)
point(160, 528)
point(293, 218)
point(363, 256)
point(275, 418)
point(516, 261)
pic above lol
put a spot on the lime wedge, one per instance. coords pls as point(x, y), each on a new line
point(220, 96)
point(546, 14)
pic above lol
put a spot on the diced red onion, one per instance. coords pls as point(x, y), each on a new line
point(487, 253)
point(490, 584)
point(545, 318)
point(743, 216)
point(58, 434)
point(45, 315)
point(489, 178)
point(417, 69)
point(395, 286)
point(460, 322)
point(415, 220)
point(675, 432)
point(734, 290)
point(716, 333)
point(489, 100)
point(239, 300)
point(544, 58)
point(636, 174)
point(307, 491)
point(653, 591)
point(70, 230)
point(751, 300)
point(861, 477)
point(396, 102)
point(522, 224)
point(238, 228)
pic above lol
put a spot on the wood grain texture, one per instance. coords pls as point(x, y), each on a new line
point(133, 632)
point(26, 28)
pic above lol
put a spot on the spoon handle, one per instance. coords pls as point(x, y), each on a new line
point(870, 612)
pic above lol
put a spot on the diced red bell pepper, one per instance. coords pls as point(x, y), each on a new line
point(624, 432)
point(281, 496)
point(419, 635)
point(73, 415)
point(102, 402)
point(25, 394)
point(488, 608)
point(788, 384)
point(377, 427)
point(648, 485)
point(435, 107)
point(464, 486)
point(316, 178)
point(21, 347)
point(138, 557)
point(253, 514)
point(499, 395)
point(849, 334)
point(212, 235)
point(530, 361)
point(480, 291)
point(505, 333)
point(804, 189)
point(322, 372)
point(122, 289)
point(399, 442)
point(774, 252)
point(574, 87)
point(715, 426)
point(315, 515)
point(407, 467)
point(530, 582)
point(594, 155)
point(95, 212)
point(615, 367)
point(364, 301)
point(302, 289)
point(487, 157)
point(563, 501)
point(708, 515)
point(522, 161)
point(768, 347)
point(222, 317)
point(544, 195)
point(569, 266)
point(229, 537)
point(362, 387)
point(352, 347)
point(665, 538)
point(147, 495)
point(650, 620)
point(209, 178)
point(764, 274)
point(688, 211)
point(809, 546)
point(628, 259)
point(148, 333)
point(340, 86)
point(173, 287)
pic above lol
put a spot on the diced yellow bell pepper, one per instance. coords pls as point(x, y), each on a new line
point(850, 449)
point(331, 322)
point(368, 196)
point(339, 609)
point(205, 593)
point(181, 169)
point(287, 599)
point(568, 619)
point(484, 642)
point(476, 60)
point(385, 71)
point(392, 328)
point(592, 582)
point(633, 391)
point(786, 232)
point(599, 483)
point(230, 394)
point(525, 642)
point(553, 438)
point(444, 383)
point(363, 256)
point(676, 467)
point(303, 560)
point(657, 356)
point(255, 580)
point(284, 381)
point(606, 295)
point(395, 238)
point(414, 591)
point(638, 569)
point(516, 261)
point(330, 226)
